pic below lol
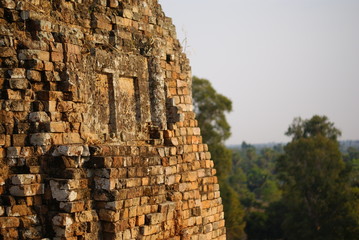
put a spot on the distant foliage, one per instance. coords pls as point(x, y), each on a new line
point(211, 108)
point(316, 126)
point(253, 178)
point(308, 189)
point(253, 175)
point(317, 193)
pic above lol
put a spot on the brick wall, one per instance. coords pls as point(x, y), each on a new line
point(98, 139)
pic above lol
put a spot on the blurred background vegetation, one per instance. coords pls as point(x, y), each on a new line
point(307, 189)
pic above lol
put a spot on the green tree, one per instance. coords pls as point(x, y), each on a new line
point(256, 227)
point(266, 225)
point(351, 154)
point(253, 175)
point(239, 182)
point(320, 202)
point(351, 159)
point(211, 108)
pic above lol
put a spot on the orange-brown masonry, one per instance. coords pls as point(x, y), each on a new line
point(98, 139)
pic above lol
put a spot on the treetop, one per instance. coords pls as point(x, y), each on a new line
point(316, 126)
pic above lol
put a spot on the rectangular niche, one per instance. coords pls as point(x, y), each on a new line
point(125, 107)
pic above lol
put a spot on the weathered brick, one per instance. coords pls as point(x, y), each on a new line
point(40, 139)
point(49, 95)
point(13, 152)
point(86, 216)
point(21, 179)
point(124, 22)
point(57, 127)
point(154, 218)
point(7, 52)
point(127, 13)
point(19, 139)
point(62, 219)
point(56, 47)
point(103, 22)
point(70, 207)
point(105, 183)
point(27, 190)
point(113, 3)
point(72, 138)
point(61, 192)
point(18, 210)
point(133, 182)
point(14, 94)
point(9, 222)
point(189, 176)
point(33, 75)
point(17, 73)
point(2, 139)
point(149, 230)
point(70, 150)
point(109, 216)
point(42, 25)
point(21, 83)
point(71, 48)
point(2, 211)
point(28, 54)
point(57, 57)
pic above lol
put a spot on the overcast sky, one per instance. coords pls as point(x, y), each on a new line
point(276, 60)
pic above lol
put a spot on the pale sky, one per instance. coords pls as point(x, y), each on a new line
point(276, 60)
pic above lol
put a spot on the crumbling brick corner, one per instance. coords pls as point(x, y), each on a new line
point(98, 139)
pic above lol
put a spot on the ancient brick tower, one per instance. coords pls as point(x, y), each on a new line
point(97, 135)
